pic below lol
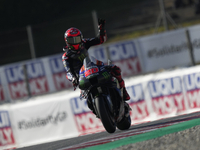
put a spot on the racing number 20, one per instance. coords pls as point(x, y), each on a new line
point(91, 71)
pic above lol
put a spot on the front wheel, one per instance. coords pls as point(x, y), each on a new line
point(104, 114)
point(125, 123)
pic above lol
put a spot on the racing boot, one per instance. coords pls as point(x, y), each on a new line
point(116, 72)
point(125, 93)
point(125, 98)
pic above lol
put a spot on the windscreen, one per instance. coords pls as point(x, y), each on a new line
point(90, 66)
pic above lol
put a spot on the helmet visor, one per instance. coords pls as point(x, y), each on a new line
point(73, 40)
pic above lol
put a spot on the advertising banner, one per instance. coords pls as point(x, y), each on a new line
point(6, 132)
point(164, 50)
point(167, 96)
point(135, 56)
point(39, 122)
point(138, 103)
point(58, 73)
point(124, 55)
point(64, 115)
point(36, 75)
point(194, 33)
point(86, 121)
point(192, 87)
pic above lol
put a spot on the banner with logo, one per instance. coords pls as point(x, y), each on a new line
point(164, 50)
point(6, 132)
point(177, 92)
point(194, 33)
point(123, 54)
point(48, 119)
point(135, 56)
point(37, 79)
point(86, 121)
point(191, 83)
point(58, 72)
point(64, 115)
point(167, 96)
point(138, 103)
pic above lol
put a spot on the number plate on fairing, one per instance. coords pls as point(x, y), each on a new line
point(91, 72)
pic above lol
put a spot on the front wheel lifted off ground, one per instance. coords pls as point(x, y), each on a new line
point(125, 123)
point(104, 115)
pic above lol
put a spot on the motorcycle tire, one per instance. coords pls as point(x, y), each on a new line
point(104, 115)
point(125, 123)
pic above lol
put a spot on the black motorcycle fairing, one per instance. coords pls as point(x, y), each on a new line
point(103, 95)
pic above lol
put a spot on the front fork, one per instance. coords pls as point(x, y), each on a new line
point(109, 104)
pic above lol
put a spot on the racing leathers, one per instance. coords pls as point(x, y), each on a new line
point(73, 61)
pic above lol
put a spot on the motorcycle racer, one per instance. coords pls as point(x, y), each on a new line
point(76, 49)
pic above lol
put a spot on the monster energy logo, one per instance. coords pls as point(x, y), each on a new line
point(106, 75)
point(82, 84)
point(81, 57)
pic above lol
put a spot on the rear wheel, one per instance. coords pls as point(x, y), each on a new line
point(104, 115)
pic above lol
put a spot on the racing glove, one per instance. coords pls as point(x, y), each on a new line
point(75, 82)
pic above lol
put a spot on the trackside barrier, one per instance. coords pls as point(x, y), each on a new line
point(134, 56)
point(123, 54)
point(45, 76)
point(40, 120)
point(63, 115)
point(151, 53)
point(169, 49)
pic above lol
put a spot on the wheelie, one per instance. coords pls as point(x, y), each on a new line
point(105, 100)
point(104, 97)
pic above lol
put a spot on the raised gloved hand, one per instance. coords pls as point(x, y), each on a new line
point(101, 25)
point(75, 82)
point(101, 22)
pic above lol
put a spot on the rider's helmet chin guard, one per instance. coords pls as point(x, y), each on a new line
point(73, 38)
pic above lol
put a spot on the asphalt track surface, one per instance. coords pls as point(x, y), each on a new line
point(87, 141)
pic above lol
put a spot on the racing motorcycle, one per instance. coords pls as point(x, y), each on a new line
point(103, 95)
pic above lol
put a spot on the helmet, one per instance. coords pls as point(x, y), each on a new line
point(73, 38)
